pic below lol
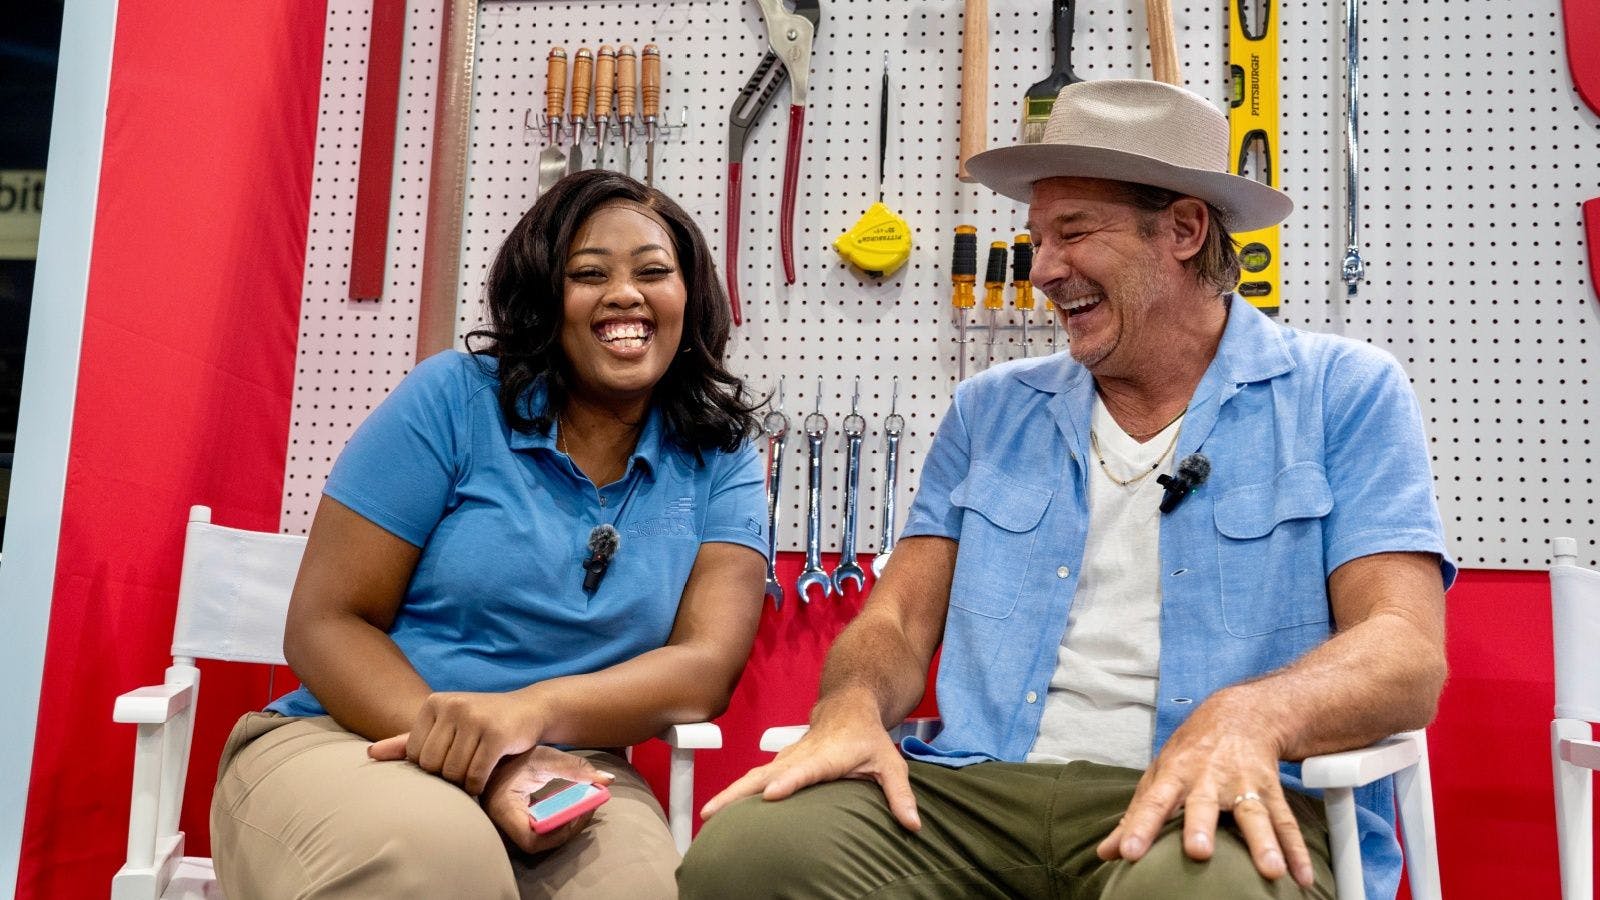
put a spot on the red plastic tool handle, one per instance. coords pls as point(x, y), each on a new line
point(731, 240)
point(791, 179)
point(1582, 21)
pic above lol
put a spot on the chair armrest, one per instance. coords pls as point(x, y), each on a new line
point(1585, 754)
point(153, 705)
point(1354, 768)
point(775, 739)
point(781, 736)
point(693, 736)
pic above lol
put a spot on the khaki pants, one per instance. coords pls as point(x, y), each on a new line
point(300, 811)
point(1000, 830)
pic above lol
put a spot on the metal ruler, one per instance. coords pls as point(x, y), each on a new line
point(1253, 129)
point(447, 181)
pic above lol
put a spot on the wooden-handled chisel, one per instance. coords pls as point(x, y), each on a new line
point(578, 112)
point(627, 97)
point(650, 105)
point(605, 85)
point(552, 162)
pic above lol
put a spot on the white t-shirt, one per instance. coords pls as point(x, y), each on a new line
point(1101, 704)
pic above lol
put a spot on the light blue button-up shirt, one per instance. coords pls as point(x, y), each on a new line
point(1317, 457)
point(496, 602)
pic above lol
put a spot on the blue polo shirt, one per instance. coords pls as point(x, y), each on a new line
point(503, 519)
point(1317, 457)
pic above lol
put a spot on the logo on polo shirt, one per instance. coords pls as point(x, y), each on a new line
point(676, 519)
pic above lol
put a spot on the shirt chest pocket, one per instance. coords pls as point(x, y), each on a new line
point(1000, 519)
point(1270, 552)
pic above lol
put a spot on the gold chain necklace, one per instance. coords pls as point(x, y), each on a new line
point(1094, 441)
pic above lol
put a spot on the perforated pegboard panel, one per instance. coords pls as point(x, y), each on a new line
point(1475, 155)
point(352, 352)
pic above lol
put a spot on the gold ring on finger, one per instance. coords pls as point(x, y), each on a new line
point(1246, 797)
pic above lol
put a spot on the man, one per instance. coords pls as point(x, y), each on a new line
point(1121, 676)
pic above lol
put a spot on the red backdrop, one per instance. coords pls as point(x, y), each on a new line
point(185, 394)
point(184, 390)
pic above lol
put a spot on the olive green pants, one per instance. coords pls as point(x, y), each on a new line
point(988, 830)
point(300, 811)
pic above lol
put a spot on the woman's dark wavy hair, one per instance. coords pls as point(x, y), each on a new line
point(704, 405)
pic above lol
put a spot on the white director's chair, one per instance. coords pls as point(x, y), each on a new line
point(233, 596)
point(1575, 618)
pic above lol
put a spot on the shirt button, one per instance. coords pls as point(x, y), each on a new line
point(1063, 572)
point(1032, 697)
point(602, 501)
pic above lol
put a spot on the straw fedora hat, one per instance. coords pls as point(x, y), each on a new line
point(1144, 132)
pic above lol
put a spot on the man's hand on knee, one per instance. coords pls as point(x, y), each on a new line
point(1223, 759)
point(830, 750)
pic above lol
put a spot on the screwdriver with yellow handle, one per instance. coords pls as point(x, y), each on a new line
point(964, 276)
point(1021, 275)
point(880, 241)
point(994, 291)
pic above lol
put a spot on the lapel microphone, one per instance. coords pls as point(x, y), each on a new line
point(603, 543)
point(1193, 470)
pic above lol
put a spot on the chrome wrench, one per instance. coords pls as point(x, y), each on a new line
point(776, 427)
point(1353, 269)
point(893, 426)
point(854, 427)
point(816, 426)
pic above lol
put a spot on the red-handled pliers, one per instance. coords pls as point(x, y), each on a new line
point(789, 34)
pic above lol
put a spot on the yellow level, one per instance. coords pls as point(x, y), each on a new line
point(1253, 129)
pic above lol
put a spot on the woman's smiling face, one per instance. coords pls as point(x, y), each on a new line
point(623, 304)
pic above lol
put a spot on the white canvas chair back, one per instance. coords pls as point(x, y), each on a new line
point(233, 596)
point(1575, 618)
point(1575, 623)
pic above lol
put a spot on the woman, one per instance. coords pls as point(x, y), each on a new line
point(441, 609)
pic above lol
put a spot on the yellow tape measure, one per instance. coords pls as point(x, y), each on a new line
point(879, 242)
point(1253, 130)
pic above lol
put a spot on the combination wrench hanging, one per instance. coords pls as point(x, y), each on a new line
point(813, 575)
point(854, 428)
point(893, 427)
point(1353, 269)
point(775, 425)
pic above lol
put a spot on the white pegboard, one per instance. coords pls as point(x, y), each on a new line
point(351, 353)
point(1476, 154)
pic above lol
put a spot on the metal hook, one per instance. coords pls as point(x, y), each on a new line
point(894, 397)
point(819, 394)
point(855, 397)
point(666, 131)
